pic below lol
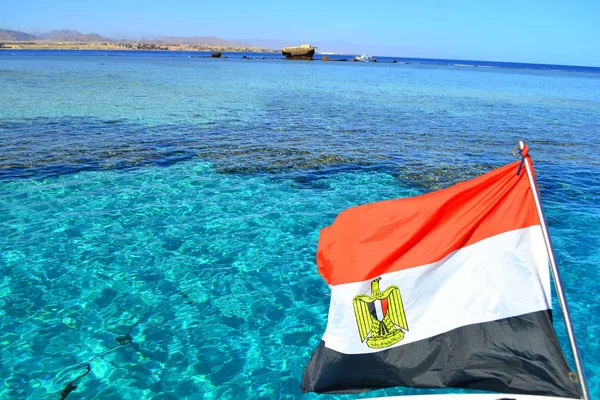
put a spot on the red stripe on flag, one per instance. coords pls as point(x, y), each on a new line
point(372, 239)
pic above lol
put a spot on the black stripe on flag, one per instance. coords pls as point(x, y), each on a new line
point(372, 309)
point(518, 355)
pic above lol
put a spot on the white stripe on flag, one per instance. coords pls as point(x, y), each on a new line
point(499, 277)
point(378, 310)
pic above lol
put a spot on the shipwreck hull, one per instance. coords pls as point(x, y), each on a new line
point(304, 52)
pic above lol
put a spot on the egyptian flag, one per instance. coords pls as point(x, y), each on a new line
point(447, 289)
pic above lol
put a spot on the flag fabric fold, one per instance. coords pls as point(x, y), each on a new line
point(447, 289)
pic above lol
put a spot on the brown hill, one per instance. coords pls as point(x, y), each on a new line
point(67, 35)
point(72, 36)
point(16, 36)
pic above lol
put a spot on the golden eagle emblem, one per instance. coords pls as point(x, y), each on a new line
point(380, 316)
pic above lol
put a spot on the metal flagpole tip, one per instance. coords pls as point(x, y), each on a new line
point(518, 149)
point(524, 150)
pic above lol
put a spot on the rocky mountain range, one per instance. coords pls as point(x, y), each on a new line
point(64, 35)
point(67, 35)
point(16, 36)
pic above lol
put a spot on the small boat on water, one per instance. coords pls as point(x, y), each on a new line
point(363, 58)
point(302, 52)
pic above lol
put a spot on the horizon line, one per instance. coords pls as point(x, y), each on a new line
point(158, 36)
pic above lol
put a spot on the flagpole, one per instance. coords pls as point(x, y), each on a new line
point(554, 267)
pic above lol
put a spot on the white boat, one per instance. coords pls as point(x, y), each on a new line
point(364, 58)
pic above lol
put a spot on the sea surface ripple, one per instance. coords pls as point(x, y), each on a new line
point(159, 213)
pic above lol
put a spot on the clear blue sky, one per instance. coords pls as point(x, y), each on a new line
point(542, 31)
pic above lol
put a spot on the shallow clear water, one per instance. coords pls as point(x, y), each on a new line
point(179, 200)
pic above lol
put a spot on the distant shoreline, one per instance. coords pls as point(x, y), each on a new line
point(381, 59)
point(127, 46)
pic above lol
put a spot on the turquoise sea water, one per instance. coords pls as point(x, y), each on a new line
point(159, 214)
